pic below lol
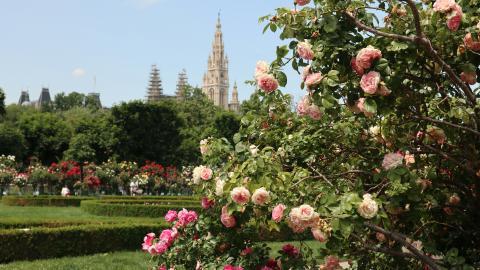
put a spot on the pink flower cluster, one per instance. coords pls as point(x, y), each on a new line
point(371, 84)
point(470, 43)
point(310, 78)
point(265, 81)
point(227, 220)
point(453, 10)
point(277, 213)
point(305, 107)
point(207, 203)
point(231, 267)
point(364, 59)
point(290, 250)
point(302, 2)
point(186, 217)
point(160, 245)
point(359, 107)
point(303, 217)
point(392, 161)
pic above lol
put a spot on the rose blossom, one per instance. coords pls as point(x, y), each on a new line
point(443, 5)
point(171, 216)
point(355, 67)
point(167, 236)
point(204, 146)
point(360, 105)
point(383, 90)
point(469, 77)
point(392, 161)
point(302, 2)
point(261, 68)
point(307, 213)
point(470, 44)
point(455, 18)
point(313, 79)
point(290, 250)
point(219, 187)
point(207, 203)
point(366, 56)
point(226, 219)
point(314, 112)
point(196, 174)
point(277, 212)
point(303, 106)
point(240, 195)
point(260, 196)
point(306, 71)
point(409, 158)
point(158, 248)
point(369, 82)
point(206, 173)
point(148, 241)
point(231, 267)
point(246, 251)
point(331, 263)
point(186, 217)
point(319, 235)
point(253, 150)
point(304, 50)
point(267, 83)
point(368, 208)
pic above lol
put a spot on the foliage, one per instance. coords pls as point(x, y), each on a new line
point(2, 102)
point(65, 102)
point(43, 200)
point(12, 141)
point(135, 208)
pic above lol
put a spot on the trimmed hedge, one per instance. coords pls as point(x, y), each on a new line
point(41, 243)
point(169, 198)
point(138, 208)
point(44, 200)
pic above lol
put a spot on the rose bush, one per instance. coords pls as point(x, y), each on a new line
point(388, 177)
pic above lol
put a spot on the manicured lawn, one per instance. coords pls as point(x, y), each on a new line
point(117, 260)
point(67, 214)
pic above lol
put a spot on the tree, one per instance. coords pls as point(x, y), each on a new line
point(46, 135)
point(226, 125)
point(147, 131)
point(2, 102)
point(12, 141)
point(63, 102)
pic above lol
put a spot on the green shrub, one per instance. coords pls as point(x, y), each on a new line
point(169, 198)
point(39, 243)
point(43, 200)
point(139, 209)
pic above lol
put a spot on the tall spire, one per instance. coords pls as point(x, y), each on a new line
point(215, 82)
point(155, 89)
point(234, 104)
point(24, 98)
point(182, 82)
point(44, 98)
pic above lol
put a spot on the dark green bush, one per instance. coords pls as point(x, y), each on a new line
point(40, 243)
point(138, 209)
point(43, 200)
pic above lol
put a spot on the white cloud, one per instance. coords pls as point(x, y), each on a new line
point(144, 3)
point(78, 72)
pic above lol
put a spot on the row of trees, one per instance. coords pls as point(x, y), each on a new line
point(167, 132)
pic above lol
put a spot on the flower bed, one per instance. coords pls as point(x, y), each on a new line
point(73, 240)
point(137, 208)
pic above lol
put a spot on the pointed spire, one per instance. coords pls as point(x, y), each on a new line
point(155, 88)
point(234, 105)
point(181, 84)
point(24, 98)
point(219, 24)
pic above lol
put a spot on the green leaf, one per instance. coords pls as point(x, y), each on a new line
point(282, 51)
point(282, 79)
point(273, 27)
point(370, 105)
point(330, 24)
point(396, 46)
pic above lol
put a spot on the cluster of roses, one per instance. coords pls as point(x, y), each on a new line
point(201, 173)
point(158, 246)
point(303, 217)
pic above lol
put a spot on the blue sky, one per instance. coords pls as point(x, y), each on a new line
point(63, 44)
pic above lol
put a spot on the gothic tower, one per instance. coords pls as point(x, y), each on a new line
point(182, 82)
point(44, 98)
point(24, 98)
point(155, 89)
point(234, 105)
point(215, 80)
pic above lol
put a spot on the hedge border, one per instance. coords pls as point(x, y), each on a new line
point(42, 243)
point(104, 208)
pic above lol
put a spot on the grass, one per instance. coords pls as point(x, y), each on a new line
point(116, 260)
point(66, 214)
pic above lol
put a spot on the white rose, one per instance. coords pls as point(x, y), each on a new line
point(196, 175)
point(253, 150)
point(368, 208)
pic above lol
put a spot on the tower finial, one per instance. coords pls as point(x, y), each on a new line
point(218, 19)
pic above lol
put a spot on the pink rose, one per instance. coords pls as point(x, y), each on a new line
point(360, 104)
point(240, 195)
point(206, 173)
point(314, 112)
point(304, 50)
point(302, 2)
point(290, 250)
point(261, 68)
point(267, 83)
point(231, 267)
point(369, 82)
point(246, 251)
point(162, 267)
point(260, 196)
point(313, 79)
point(443, 5)
point(207, 203)
point(158, 248)
point(306, 71)
point(392, 161)
point(167, 236)
point(277, 212)
point(331, 263)
point(303, 105)
point(186, 217)
point(455, 18)
point(226, 219)
point(469, 77)
point(319, 235)
point(366, 56)
point(470, 43)
point(355, 67)
point(171, 216)
point(148, 241)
